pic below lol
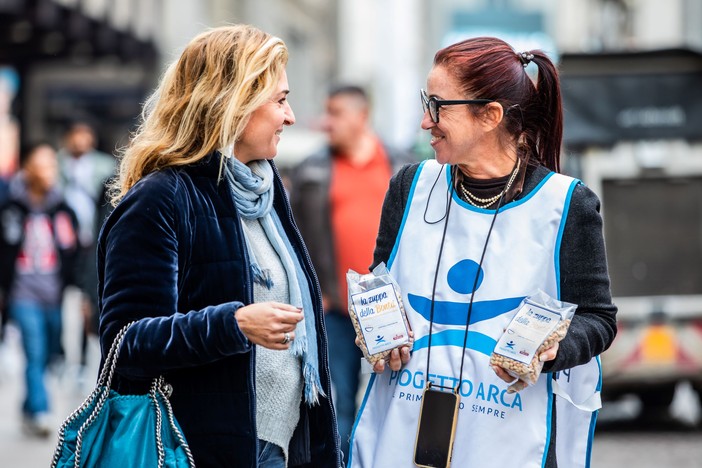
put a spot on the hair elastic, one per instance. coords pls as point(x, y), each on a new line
point(525, 58)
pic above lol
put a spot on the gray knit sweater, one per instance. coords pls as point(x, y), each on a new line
point(278, 373)
point(584, 277)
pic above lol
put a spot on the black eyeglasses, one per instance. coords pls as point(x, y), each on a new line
point(433, 104)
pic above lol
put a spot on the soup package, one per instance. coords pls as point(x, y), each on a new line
point(540, 322)
point(377, 313)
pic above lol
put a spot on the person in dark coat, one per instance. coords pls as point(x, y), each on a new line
point(202, 253)
point(38, 250)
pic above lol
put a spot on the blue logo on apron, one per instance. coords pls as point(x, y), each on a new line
point(460, 278)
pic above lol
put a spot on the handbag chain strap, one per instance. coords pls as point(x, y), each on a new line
point(157, 386)
point(101, 393)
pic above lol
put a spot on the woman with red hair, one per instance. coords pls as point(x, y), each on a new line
point(468, 236)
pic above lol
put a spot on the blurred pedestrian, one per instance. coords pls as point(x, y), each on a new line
point(9, 158)
point(9, 128)
point(38, 248)
point(89, 281)
point(84, 170)
point(203, 255)
point(337, 195)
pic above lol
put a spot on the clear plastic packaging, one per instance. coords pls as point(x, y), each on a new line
point(377, 313)
point(539, 323)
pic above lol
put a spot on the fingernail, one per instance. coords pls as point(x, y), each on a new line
point(543, 357)
point(405, 352)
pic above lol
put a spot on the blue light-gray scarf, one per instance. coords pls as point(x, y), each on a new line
point(252, 188)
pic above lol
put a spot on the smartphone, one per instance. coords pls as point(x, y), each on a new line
point(436, 429)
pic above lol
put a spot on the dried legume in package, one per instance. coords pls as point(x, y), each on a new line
point(540, 322)
point(377, 313)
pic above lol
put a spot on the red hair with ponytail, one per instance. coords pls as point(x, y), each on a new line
point(488, 68)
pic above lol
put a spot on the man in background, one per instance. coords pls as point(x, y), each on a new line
point(337, 195)
point(84, 171)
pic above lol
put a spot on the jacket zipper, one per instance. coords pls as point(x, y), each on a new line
point(318, 300)
point(249, 300)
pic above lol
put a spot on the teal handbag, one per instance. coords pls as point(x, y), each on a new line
point(122, 431)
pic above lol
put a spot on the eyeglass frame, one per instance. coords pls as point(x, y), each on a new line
point(437, 103)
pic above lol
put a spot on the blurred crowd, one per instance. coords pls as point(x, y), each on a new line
point(50, 212)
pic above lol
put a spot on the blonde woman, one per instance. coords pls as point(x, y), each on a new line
point(203, 253)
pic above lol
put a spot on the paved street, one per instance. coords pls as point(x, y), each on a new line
point(67, 391)
point(623, 439)
point(18, 449)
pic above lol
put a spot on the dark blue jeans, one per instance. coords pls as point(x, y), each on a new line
point(40, 326)
point(344, 364)
point(270, 455)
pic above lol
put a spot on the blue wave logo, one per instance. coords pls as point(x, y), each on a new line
point(460, 278)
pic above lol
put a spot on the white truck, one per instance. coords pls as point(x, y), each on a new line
point(633, 133)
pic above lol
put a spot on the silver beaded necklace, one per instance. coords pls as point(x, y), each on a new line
point(485, 202)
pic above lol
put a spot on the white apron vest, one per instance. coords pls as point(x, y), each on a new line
point(494, 428)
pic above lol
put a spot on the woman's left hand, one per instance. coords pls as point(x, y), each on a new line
point(549, 354)
point(517, 384)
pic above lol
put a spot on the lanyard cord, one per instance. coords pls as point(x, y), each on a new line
point(436, 273)
point(449, 194)
point(475, 284)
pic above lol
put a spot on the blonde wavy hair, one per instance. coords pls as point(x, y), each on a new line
point(203, 101)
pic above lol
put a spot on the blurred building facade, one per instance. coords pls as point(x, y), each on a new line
point(88, 60)
point(97, 59)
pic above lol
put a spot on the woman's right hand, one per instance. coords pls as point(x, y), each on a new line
point(398, 357)
point(267, 323)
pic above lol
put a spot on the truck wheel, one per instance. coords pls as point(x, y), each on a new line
point(697, 387)
point(656, 401)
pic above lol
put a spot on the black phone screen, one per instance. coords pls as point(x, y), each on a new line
point(437, 422)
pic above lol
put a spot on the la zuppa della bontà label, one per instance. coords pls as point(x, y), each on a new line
point(380, 317)
point(528, 329)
